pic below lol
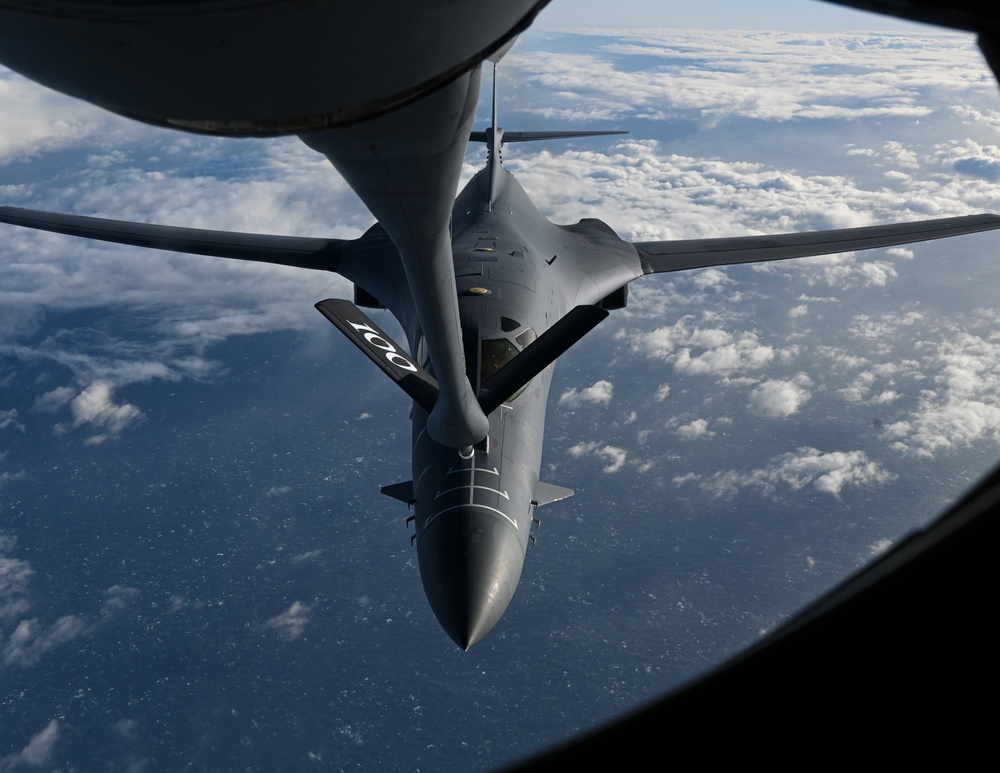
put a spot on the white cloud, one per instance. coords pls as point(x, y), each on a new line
point(698, 351)
point(843, 270)
point(28, 122)
point(763, 75)
point(746, 353)
point(778, 399)
point(292, 622)
point(936, 381)
point(8, 419)
point(859, 387)
point(710, 279)
point(613, 455)
point(54, 400)
point(634, 183)
point(15, 573)
point(828, 473)
point(709, 339)
point(7, 477)
point(694, 430)
point(130, 171)
point(877, 273)
point(963, 407)
point(95, 406)
point(38, 753)
point(880, 546)
point(972, 159)
point(118, 599)
point(660, 343)
point(32, 640)
point(879, 332)
point(599, 393)
point(126, 728)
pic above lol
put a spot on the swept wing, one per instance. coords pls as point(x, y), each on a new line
point(303, 252)
point(655, 256)
point(680, 255)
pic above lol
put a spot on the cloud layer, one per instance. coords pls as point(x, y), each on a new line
point(826, 472)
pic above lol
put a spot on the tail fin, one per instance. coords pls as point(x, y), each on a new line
point(495, 138)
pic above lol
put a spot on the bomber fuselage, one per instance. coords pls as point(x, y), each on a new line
point(517, 274)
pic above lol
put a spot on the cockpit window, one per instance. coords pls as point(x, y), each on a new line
point(525, 337)
point(496, 352)
point(490, 356)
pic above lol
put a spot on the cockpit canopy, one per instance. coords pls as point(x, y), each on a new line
point(494, 353)
point(485, 357)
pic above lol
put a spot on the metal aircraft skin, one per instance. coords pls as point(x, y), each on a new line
point(254, 67)
point(489, 293)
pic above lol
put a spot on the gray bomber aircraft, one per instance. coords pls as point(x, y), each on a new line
point(488, 293)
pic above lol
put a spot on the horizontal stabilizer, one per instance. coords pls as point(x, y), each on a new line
point(537, 136)
point(547, 493)
point(702, 253)
point(299, 251)
point(539, 355)
point(382, 350)
point(401, 491)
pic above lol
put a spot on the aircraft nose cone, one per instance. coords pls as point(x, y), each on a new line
point(470, 564)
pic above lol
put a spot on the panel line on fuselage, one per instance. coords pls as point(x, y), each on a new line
point(466, 506)
point(453, 470)
point(472, 486)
